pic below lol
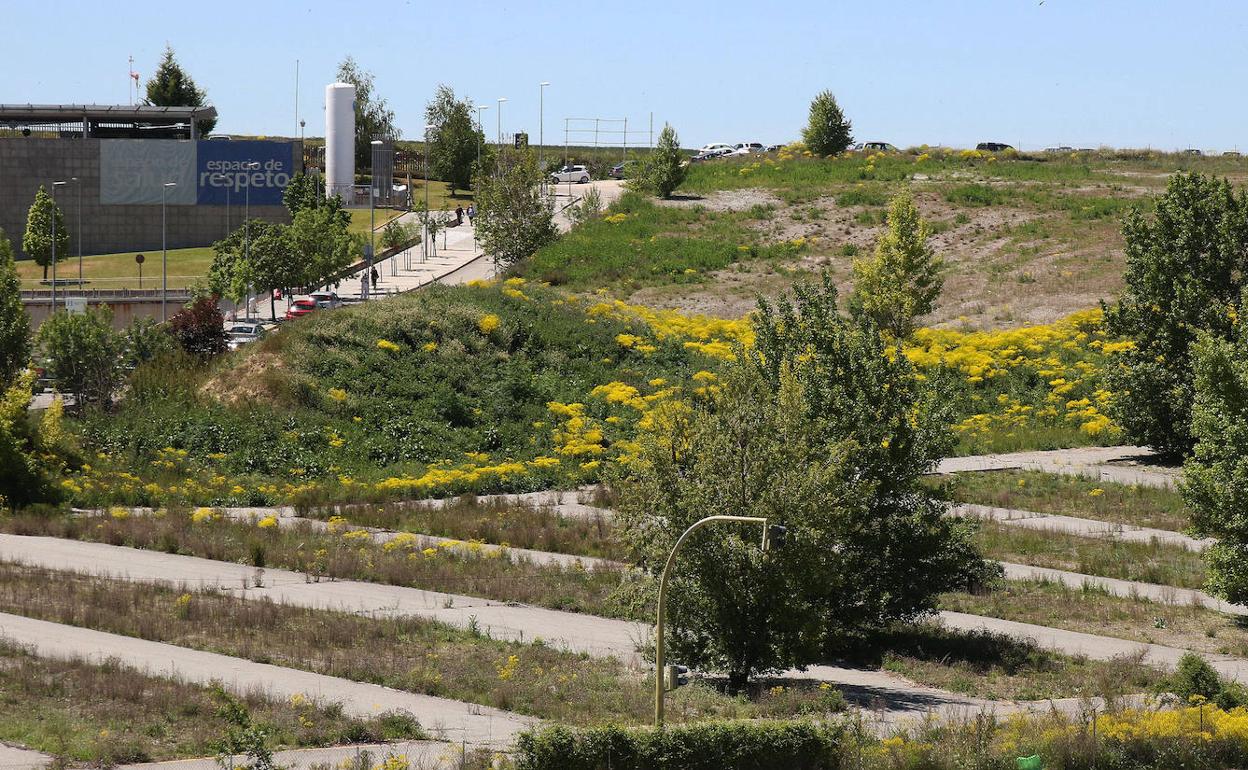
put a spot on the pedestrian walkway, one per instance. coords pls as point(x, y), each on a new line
point(14, 758)
point(1118, 464)
point(1072, 525)
point(446, 719)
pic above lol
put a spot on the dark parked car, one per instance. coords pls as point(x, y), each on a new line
point(623, 170)
point(992, 147)
point(879, 146)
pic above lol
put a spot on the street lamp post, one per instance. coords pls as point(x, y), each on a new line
point(372, 205)
point(501, 99)
point(658, 627)
point(56, 184)
point(164, 251)
point(250, 165)
point(541, 125)
point(480, 133)
point(424, 238)
point(78, 182)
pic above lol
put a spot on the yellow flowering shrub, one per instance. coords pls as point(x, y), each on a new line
point(388, 345)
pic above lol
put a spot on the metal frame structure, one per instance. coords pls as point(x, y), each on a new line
point(102, 121)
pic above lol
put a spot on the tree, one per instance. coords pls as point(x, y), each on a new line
point(819, 430)
point(172, 87)
point(145, 340)
point(664, 169)
point(902, 280)
point(304, 191)
point(14, 322)
point(199, 329)
point(26, 456)
point(453, 140)
point(257, 255)
point(83, 354)
point(37, 241)
point(373, 118)
point(321, 244)
point(514, 217)
point(828, 131)
point(1185, 272)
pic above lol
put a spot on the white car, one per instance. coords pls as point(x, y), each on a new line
point(716, 148)
point(326, 300)
point(578, 174)
point(746, 148)
point(241, 333)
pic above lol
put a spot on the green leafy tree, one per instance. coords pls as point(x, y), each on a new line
point(171, 86)
point(14, 322)
point(819, 430)
point(901, 281)
point(664, 169)
point(828, 131)
point(1185, 270)
point(37, 241)
point(373, 118)
point(144, 340)
point(321, 244)
point(26, 459)
point(236, 258)
point(453, 140)
point(83, 354)
point(305, 191)
point(514, 217)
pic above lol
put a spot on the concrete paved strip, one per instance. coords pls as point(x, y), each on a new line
point(14, 758)
point(1127, 589)
point(1079, 526)
point(1119, 464)
point(452, 719)
point(420, 755)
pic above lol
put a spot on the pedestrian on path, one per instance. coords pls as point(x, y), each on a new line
point(472, 213)
point(363, 286)
point(373, 275)
point(459, 215)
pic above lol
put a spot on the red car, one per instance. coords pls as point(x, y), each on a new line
point(301, 307)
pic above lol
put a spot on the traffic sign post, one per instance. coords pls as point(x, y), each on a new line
point(138, 260)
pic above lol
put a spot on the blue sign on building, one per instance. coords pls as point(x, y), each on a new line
point(227, 165)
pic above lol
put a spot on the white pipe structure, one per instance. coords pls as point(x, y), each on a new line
point(340, 140)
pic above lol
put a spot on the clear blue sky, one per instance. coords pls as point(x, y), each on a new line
point(1029, 73)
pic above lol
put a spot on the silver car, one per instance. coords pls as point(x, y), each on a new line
point(241, 333)
point(578, 174)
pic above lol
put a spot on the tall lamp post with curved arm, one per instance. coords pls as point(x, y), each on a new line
point(773, 534)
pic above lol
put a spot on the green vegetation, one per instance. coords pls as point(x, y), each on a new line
point(1184, 276)
point(29, 453)
point(373, 117)
point(119, 271)
point(827, 131)
point(1072, 496)
point(107, 714)
point(14, 321)
point(1215, 477)
point(1145, 562)
point(171, 86)
point(515, 215)
point(454, 141)
point(641, 242)
point(46, 237)
point(663, 170)
point(82, 354)
point(901, 281)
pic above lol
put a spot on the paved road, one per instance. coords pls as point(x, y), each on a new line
point(1119, 464)
point(13, 758)
point(1078, 526)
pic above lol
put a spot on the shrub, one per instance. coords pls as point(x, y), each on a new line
point(82, 353)
point(901, 281)
point(14, 322)
point(828, 131)
point(663, 170)
point(200, 329)
point(1185, 271)
point(706, 746)
point(514, 217)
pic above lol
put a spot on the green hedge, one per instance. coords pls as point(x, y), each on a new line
point(709, 746)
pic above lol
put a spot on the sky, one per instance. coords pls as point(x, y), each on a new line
point(1034, 73)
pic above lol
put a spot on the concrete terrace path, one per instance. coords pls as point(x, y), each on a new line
point(1118, 464)
point(454, 720)
point(1127, 589)
point(1047, 522)
point(891, 697)
point(14, 758)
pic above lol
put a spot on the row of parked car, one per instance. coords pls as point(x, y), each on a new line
point(242, 332)
point(723, 150)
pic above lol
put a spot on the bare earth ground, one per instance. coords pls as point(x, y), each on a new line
point(1006, 266)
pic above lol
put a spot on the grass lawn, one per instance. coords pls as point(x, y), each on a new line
point(110, 714)
point(360, 219)
point(1072, 496)
point(1092, 611)
point(1144, 562)
point(119, 271)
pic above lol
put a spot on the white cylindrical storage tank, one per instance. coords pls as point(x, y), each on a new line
point(340, 140)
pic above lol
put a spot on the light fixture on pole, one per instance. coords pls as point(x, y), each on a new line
point(480, 133)
point(541, 125)
point(249, 166)
point(773, 537)
point(78, 182)
point(372, 204)
point(501, 99)
point(424, 238)
point(164, 251)
point(56, 184)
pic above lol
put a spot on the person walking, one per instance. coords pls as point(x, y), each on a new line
point(459, 215)
point(373, 275)
point(472, 213)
